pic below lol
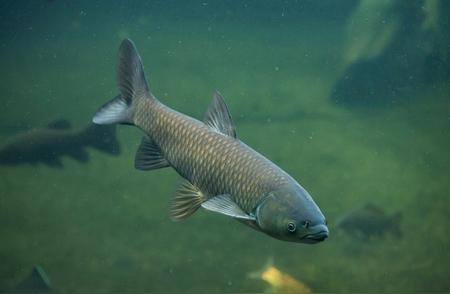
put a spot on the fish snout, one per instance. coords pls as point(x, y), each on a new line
point(317, 233)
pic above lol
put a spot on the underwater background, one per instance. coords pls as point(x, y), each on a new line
point(352, 98)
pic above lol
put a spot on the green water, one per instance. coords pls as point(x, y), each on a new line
point(103, 227)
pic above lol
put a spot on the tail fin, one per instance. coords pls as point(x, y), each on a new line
point(132, 85)
point(103, 138)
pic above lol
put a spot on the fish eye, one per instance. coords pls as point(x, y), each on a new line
point(291, 227)
point(306, 224)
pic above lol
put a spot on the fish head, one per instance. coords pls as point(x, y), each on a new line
point(290, 214)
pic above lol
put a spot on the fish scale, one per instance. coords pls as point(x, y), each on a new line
point(222, 164)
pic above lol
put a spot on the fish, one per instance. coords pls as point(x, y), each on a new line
point(370, 220)
point(280, 282)
point(220, 173)
point(47, 145)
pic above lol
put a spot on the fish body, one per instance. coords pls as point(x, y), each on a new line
point(220, 172)
point(214, 163)
point(47, 145)
point(280, 282)
point(370, 220)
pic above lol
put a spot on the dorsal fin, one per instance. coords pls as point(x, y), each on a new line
point(219, 118)
point(59, 124)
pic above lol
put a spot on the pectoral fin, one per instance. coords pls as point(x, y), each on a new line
point(225, 205)
point(149, 156)
point(186, 201)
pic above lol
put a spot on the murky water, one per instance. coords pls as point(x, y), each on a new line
point(352, 99)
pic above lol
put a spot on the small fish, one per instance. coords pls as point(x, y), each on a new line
point(220, 172)
point(47, 145)
point(280, 282)
point(370, 220)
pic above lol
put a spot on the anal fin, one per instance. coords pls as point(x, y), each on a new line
point(149, 156)
point(188, 198)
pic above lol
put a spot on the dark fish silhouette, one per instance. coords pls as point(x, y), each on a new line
point(47, 145)
point(370, 220)
point(221, 173)
point(36, 282)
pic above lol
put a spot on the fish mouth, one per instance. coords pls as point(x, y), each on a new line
point(316, 237)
